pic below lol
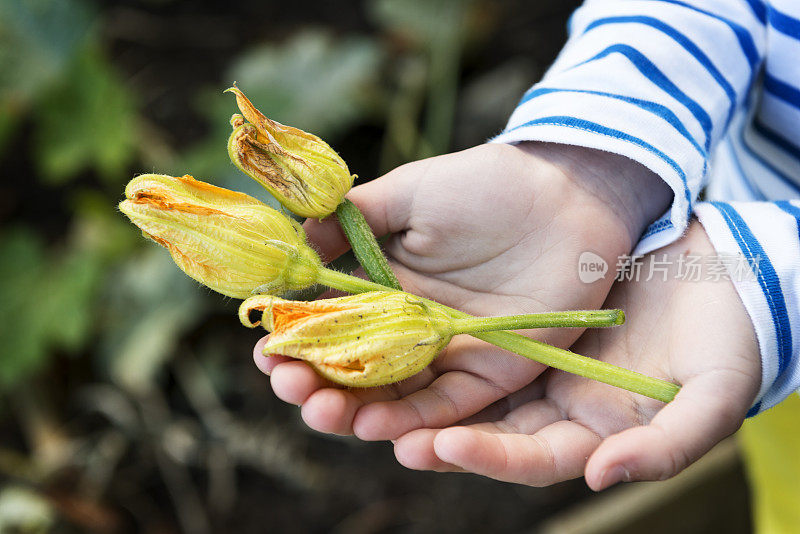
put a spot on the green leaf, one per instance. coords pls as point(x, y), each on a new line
point(147, 309)
point(88, 121)
point(38, 39)
point(45, 306)
point(312, 81)
point(47, 297)
point(22, 333)
point(421, 21)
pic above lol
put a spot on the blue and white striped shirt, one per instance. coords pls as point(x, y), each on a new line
point(703, 93)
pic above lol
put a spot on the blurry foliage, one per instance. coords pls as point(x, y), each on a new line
point(300, 80)
point(83, 117)
point(38, 40)
point(86, 120)
point(100, 292)
point(47, 302)
point(149, 301)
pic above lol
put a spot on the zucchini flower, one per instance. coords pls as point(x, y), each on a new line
point(364, 340)
point(226, 240)
point(301, 170)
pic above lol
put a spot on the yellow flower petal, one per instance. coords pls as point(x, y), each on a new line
point(227, 240)
point(362, 340)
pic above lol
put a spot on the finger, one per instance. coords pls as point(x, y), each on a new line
point(294, 382)
point(266, 363)
point(328, 407)
point(386, 205)
point(331, 411)
point(415, 451)
point(450, 398)
point(501, 409)
point(555, 453)
point(707, 409)
point(474, 378)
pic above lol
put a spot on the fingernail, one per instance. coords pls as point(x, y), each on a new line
point(613, 475)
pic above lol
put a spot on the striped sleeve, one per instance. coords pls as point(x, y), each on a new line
point(767, 234)
point(657, 81)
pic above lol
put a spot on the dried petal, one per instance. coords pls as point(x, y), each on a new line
point(301, 170)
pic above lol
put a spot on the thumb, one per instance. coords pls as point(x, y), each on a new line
point(386, 205)
point(707, 409)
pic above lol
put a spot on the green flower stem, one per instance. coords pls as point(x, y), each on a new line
point(568, 319)
point(365, 246)
point(348, 282)
point(532, 349)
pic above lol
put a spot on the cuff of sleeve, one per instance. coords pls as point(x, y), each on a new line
point(756, 231)
point(572, 131)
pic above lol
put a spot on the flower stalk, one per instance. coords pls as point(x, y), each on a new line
point(365, 246)
point(568, 319)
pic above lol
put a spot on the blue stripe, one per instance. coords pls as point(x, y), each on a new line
point(767, 279)
point(657, 227)
point(759, 10)
point(782, 90)
point(746, 41)
point(588, 126)
point(651, 72)
point(686, 43)
point(775, 138)
point(784, 23)
point(652, 107)
point(754, 410)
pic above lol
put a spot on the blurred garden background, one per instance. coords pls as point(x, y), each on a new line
point(128, 397)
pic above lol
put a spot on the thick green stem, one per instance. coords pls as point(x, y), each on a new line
point(365, 246)
point(532, 349)
point(582, 365)
point(568, 319)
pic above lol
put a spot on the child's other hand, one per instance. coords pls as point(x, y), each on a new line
point(694, 333)
point(493, 230)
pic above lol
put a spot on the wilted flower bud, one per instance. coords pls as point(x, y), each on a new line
point(227, 240)
point(301, 170)
point(364, 340)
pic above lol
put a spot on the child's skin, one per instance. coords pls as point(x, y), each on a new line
point(497, 230)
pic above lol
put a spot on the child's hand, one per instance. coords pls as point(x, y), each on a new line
point(695, 333)
point(493, 230)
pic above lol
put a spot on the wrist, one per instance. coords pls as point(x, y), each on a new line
point(634, 194)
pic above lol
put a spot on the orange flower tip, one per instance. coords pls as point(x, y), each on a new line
point(256, 304)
